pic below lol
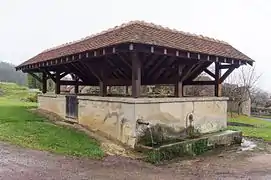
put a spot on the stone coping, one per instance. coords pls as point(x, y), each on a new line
point(143, 100)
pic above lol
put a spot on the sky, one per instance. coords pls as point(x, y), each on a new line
point(28, 27)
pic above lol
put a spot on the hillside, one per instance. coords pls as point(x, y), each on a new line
point(9, 74)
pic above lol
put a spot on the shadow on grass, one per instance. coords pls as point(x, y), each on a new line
point(239, 124)
point(9, 113)
point(20, 126)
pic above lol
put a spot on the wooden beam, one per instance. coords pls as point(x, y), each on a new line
point(199, 83)
point(179, 81)
point(102, 83)
point(76, 86)
point(57, 83)
point(63, 75)
point(157, 65)
point(80, 83)
point(89, 70)
point(226, 74)
point(227, 66)
point(136, 75)
point(124, 60)
point(51, 76)
point(218, 88)
point(103, 88)
point(209, 73)
point(163, 68)
point(118, 69)
point(44, 83)
point(35, 76)
point(74, 68)
point(197, 70)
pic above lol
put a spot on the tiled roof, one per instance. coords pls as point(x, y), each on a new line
point(147, 33)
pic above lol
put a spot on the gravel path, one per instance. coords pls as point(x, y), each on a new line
point(24, 164)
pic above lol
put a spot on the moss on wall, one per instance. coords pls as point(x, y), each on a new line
point(187, 148)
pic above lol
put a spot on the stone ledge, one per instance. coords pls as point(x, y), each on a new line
point(143, 100)
point(150, 100)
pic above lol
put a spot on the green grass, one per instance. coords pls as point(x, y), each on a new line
point(261, 129)
point(22, 127)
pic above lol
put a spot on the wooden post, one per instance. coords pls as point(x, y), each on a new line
point(44, 83)
point(57, 84)
point(179, 81)
point(218, 87)
point(136, 75)
point(103, 90)
point(109, 89)
point(76, 86)
point(103, 77)
point(127, 90)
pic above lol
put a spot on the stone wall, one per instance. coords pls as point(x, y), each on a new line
point(117, 117)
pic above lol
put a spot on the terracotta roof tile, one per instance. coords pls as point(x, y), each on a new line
point(142, 32)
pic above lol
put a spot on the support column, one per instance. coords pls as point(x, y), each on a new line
point(102, 83)
point(103, 90)
point(218, 86)
point(127, 90)
point(44, 83)
point(136, 75)
point(57, 84)
point(179, 81)
point(109, 89)
point(76, 86)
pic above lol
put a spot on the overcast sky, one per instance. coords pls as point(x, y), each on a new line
point(27, 27)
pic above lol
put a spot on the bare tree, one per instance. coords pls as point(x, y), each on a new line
point(241, 86)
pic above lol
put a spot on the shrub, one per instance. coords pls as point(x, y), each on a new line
point(32, 97)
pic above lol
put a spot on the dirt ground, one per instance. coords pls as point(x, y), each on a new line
point(25, 164)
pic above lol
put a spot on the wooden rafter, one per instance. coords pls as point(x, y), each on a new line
point(198, 70)
point(160, 61)
point(124, 60)
point(169, 61)
point(209, 72)
point(35, 76)
point(226, 74)
point(51, 76)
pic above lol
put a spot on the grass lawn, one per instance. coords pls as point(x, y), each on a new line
point(261, 129)
point(21, 127)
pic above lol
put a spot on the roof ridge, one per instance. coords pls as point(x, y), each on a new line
point(140, 22)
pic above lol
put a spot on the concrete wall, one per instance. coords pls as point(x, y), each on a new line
point(116, 117)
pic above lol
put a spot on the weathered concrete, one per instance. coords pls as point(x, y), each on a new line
point(192, 146)
point(117, 117)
